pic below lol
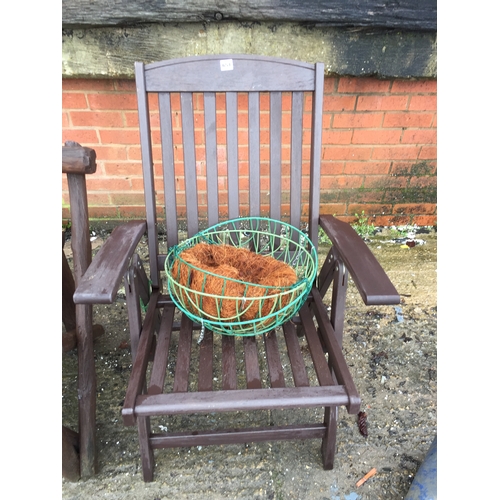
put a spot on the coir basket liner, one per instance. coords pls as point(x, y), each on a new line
point(242, 277)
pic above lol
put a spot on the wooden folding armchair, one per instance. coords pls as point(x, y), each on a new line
point(229, 136)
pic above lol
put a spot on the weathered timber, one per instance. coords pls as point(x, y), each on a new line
point(111, 52)
point(401, 14)
point(77, 159)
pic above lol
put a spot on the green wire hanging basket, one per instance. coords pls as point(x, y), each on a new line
point(208, 275)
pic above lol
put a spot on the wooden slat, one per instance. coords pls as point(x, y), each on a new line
point(159, 369)
point(296, 359)
point(316, 151)
point(315, 347)
point(188, 147)
point(167, 152)
point(254, 152)
point(296, 160)
point(232, 154)
point(229, 381)
point(211, 158)
point(276, 376)
point(275, 155)
point(232, 436)
point(181, 377)
point(205, 372)
point(240, 400)
point(252, 363)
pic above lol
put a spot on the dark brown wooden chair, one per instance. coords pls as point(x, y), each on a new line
point(223, 137)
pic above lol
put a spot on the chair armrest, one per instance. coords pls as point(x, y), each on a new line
point(100, 283)
point(371, 280)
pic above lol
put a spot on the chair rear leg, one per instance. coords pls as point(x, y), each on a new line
point(147, 457)
point(330, 439)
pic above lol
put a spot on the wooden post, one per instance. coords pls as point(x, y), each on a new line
point(76, 162)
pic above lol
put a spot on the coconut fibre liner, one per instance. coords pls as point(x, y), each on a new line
point(232, 283)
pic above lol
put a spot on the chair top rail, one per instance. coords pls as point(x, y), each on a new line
point(229, 73)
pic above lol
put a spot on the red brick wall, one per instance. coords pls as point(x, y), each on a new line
point(379, 148)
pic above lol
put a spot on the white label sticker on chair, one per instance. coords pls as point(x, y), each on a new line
point(226, 65)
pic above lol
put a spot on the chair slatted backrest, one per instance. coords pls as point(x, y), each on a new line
point(231, 136)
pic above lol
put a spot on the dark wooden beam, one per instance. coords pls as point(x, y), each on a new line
point(110, 52)
point(398, 14)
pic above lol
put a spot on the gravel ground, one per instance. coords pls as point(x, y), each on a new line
point(392, 355)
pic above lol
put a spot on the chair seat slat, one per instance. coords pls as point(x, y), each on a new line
point(229, 380)
point(295, 356)
point(252, 363)
point(276, 376)
point(181, 379)
point(205, 372)
point(159, 369)
point(315, 347)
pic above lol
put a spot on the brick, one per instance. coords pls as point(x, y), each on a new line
point(332, 168)
point(403, 152)
point(367, 167)
point(65, 120)
point(96, 118)
point(346, 153)
point(330, 84)
point(425, 220)
point(423, 103)
point(419, 136)
point(85, 137)
point(103, 212)
point(122, 169)
point(338, 103)
point(370, 210)
point(98, 199)
point(415, 208)
point(384, 181)
point(122, 136)
point(363, 85)
point(343, 181)
point(107, 184)
point(376, 136)
point(381, 103)
point(335, 209)
point(120, 199)
point(337, 136)
point(132, 119)
point(128, 84)
point(428, 153)
point(408, 119)
point(73, 100)
point(357, 120)
point(86, 84)
point(414, 86)
point(132, 212)
point(112, 101)
point(423, 182)
point(110, 152)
